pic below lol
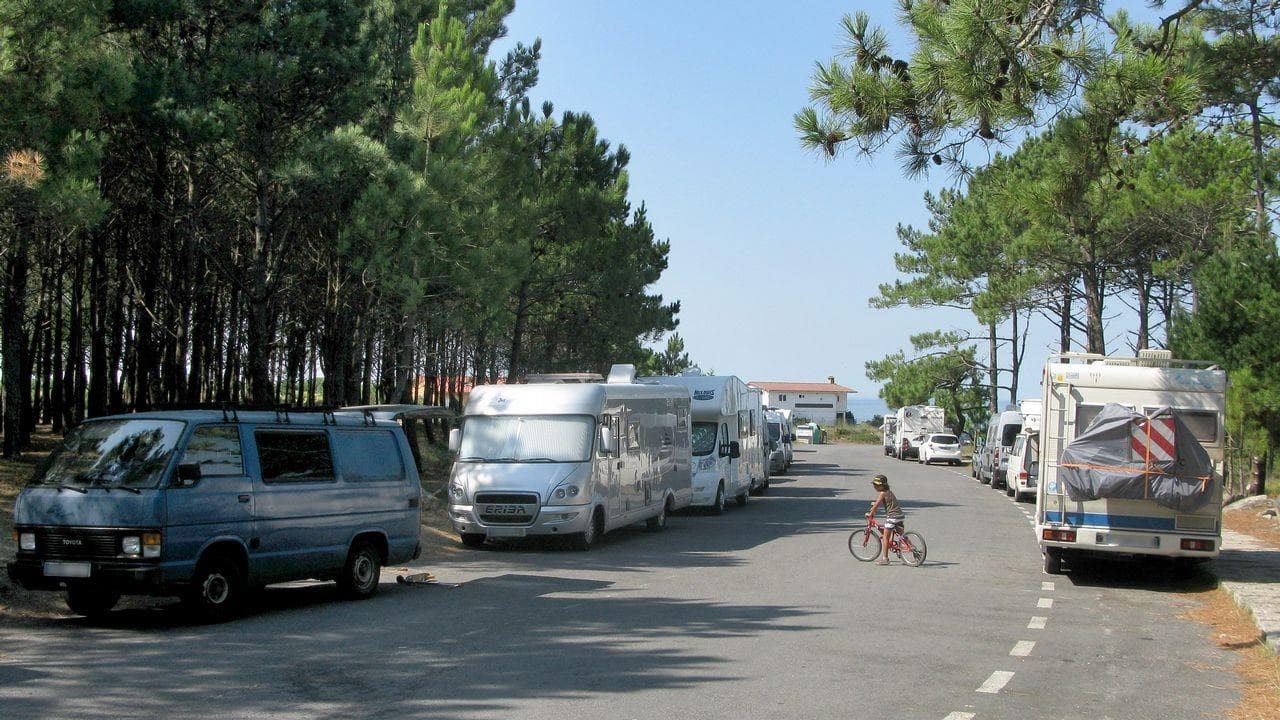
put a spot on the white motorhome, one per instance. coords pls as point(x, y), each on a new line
point(728, 437)
point(890, 430)
point(576, 459)
point(1130, 457)
point(779, 439)
point(914, 424)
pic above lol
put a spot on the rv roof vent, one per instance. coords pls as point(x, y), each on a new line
point(622, 374)
point(694, 371)
point(1155, 358)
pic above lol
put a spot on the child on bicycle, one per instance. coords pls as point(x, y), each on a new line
point(894, 518)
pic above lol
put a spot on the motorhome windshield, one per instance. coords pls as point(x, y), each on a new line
point(526, 438)
point(704, 438)
point(128, 454)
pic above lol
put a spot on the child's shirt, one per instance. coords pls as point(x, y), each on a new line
point(891, 507)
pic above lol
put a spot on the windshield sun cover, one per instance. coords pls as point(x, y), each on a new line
point(526, 438)
point(703, 438)
point(112, 454)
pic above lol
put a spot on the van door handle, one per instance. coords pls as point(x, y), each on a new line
point(243, 498)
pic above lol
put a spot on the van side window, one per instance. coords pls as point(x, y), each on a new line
point(294, 456)
point(368, 456)
point(216, 449)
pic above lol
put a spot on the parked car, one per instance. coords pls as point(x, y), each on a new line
point(940, 447)
point(1024, 466)
point(207, 504)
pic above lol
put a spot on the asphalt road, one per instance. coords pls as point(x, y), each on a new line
point(759, 613)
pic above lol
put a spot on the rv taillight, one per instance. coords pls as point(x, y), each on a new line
point(1023, 475)
point(1197, 545)
point(1059, 535)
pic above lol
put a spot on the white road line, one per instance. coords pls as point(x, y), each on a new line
point(1037, 623)
point(996, 682)
point(1047, 586)
point(1023, 648)
point(960, 716)
point(1045, 603)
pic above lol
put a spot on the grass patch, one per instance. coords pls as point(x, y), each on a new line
point(860, 433)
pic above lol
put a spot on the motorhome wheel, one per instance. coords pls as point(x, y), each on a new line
point(659, 521)
point(472, 540)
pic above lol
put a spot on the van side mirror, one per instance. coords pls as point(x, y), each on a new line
point(188, 474)
point(606, 440)
point(455, 440)
point(735, 449)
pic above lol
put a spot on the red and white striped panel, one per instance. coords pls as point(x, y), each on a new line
point(1154, 439)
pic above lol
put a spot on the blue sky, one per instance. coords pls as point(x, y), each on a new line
point(774, 250)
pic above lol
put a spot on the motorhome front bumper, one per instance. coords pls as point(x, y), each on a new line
point(39, 574)
point(549, 520)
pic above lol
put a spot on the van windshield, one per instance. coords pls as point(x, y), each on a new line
point(112, 454)
point(526, 438)
point(775, 432)
point(703, 438)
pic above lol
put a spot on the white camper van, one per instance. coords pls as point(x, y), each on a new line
point(576, 459)
point(779, 439)
point(1001, 433)
point(915, 423)
point(728, 437)
point(1131, 457)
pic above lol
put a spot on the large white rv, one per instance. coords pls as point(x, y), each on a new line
point(729, 458)
point(1130, 457)
point(914, 424)
point(575, 459)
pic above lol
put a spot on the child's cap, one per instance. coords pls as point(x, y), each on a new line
point(880, 481)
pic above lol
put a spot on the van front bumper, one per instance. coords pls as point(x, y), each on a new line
point(129, 578)
point(551, 520)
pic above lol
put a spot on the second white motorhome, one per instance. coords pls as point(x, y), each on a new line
point(914, 424)
point(728, 437)
point(1130, 457)
point(576, 459)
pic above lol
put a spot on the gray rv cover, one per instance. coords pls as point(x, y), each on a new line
point(1125, 454)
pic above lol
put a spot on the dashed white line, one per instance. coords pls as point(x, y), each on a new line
point(1047, 586)
point(1045, 603)
point(1023, 648)
point(1037, 623)
point(996, 682)
point(960, 716)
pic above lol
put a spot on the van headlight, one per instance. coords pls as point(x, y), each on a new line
point(566, 491)
point(27, 541)
point(131, 546)
point(457, 492)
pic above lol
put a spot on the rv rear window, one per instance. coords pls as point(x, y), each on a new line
point(1203, 424)
point(1085, 415)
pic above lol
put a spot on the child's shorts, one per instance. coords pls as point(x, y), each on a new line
point(895, 523)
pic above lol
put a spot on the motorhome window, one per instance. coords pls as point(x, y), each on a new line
point(752, 415)
point(703, 438)
point(633, 436)
point(1010, 434)
point(294, 456)
point(112, 453)
point(1202, 423)
point(368, 456)
point(742, 424)
point(216, 449)
point(528, 438)
point(1085, 415)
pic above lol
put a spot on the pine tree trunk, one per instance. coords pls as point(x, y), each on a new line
point(13, 340)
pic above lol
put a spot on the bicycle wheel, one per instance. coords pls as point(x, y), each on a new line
point(911, 548)
point(864, 543)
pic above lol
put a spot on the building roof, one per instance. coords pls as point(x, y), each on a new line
point(800, 387)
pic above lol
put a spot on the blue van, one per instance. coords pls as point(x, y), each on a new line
point(207, 504)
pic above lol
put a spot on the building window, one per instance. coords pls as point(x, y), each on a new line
point(782, 398)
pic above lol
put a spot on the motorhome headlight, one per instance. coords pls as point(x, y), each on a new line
point(566, 491)
point(27, 541)
point(457, 491)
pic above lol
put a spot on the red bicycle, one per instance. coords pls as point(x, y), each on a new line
point(866, 542)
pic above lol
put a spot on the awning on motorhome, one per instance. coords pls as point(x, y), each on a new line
point(1125, 454)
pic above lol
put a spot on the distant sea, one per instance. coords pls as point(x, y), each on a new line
point(863, 408)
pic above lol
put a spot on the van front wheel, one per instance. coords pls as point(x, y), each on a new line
point(359, 578)
point(90, 601)
point(658, 522)
point(472, 540)
point(588, 538)
point(216, 589)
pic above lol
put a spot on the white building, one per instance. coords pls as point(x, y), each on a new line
point(820, 402)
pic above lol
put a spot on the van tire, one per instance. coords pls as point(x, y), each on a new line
point(743, 498)
point(360, 574)
point(472, 540)
point(217, 589)
point(717, 507)
point(658, 522)
point(91, 601)
point(590, 537)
